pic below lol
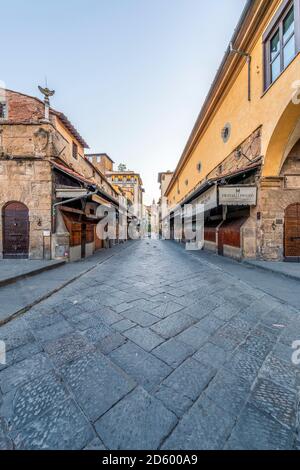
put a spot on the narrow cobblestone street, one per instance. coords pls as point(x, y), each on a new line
point(156, 348)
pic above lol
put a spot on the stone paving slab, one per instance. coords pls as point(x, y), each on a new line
point(144, 337)
point(141, 318)
point(15, 334)
point(173, 325)
point(190, 379)
point(5, 442)
point(95, 445)
point(174, 401)
point(64, 427)
point(194, 337)
point(96, 384)
point(23, 372)
point(230, 392)
point(146, 369)
point(19, 354)
point(137, 422)
point(204, 427)
point(68, 348)
point(173, 352)
point(155, 348)
point(211, 354)
point(256, 430)
point(277, 401)
point(25, 404)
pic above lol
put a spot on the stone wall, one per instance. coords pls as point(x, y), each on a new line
point(28, 145)
point(25, 133)
point(29, 181)
point(275, 195)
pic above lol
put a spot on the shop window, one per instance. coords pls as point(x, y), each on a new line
point(3, 111)
point(281, 40)
point(75, 151)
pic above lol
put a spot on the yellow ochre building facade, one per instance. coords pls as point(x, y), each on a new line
point(244, 150)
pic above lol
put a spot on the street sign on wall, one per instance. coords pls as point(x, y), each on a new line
point(238, 195)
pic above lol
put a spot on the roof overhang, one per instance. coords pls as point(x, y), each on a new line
point(227, 177)
point(206, 185)
point(63, 118)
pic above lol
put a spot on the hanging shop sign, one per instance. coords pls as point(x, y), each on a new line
point(238, 195)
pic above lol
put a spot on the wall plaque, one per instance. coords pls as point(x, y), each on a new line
point(292, 182)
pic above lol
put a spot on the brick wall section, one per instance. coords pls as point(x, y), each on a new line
point(22, 108)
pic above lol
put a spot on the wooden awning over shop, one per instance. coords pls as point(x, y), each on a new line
point(77, 216)
point(100, 200)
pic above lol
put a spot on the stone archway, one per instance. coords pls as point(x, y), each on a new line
point(15, 231)
point(284, 136)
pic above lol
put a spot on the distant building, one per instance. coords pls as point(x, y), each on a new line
point(164, 180)
point(129, 183)
point(101, 161)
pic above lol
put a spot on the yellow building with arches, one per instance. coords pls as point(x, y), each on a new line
point(247, 138)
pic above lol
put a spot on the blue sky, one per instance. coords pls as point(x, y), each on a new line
point(130, 74)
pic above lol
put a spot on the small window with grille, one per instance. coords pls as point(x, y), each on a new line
point(3, 110)
point(75, 151)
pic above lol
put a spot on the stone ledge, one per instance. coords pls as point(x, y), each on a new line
point(290, 270)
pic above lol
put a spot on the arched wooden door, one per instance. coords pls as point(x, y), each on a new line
point(292, 233)
point(15, 230)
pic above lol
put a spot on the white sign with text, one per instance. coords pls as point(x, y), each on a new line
point(238, 196)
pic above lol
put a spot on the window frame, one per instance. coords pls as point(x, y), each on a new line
point(74, 150)
point(277, 25)
point(5, 107)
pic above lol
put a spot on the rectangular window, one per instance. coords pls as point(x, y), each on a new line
point(3, 111)
point(75, 151)
point(281, 40)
